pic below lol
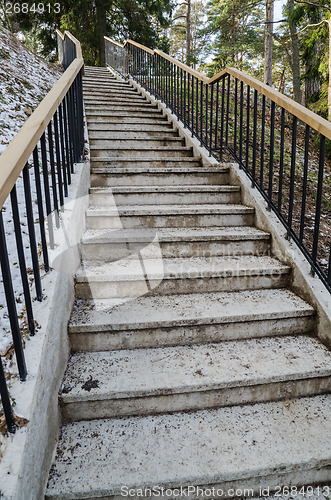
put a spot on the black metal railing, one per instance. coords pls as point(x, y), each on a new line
point(67, 49)
point(46, 162)
point(284, 148)
point(117, 56)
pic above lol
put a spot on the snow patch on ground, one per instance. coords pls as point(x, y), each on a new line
point(25, 79)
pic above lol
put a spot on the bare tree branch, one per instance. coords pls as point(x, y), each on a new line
point(306, 27)
point(313, 4)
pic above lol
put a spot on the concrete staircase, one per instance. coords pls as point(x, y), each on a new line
point(193, 363)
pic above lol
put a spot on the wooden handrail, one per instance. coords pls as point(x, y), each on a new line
point(304, 114)
point(114, 41)
point(18, 151)
point(73, 39)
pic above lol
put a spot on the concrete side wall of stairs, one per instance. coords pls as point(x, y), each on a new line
point(194, 359)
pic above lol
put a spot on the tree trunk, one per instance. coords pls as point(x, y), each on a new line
point(188, 33)
point(268, 42)
point(312, 80)
point(295, 57)
point(101, 30)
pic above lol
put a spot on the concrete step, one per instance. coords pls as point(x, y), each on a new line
point(157, 120)
point(107, 86)
point(140, 151)
point(187, 319)
point(169, 216)
point(134, 105)
point(136, 143)
point(124, 101)
point(113, 127)
point(109, 245)
point(125, 134)
point(111, 109)
point(183, 378)
point(96, 93)
point(164, 195)
point(265, 445)
point(139, 275)
point(106, 81)
point(98, 76)
point(119, 112)
point(155, 172)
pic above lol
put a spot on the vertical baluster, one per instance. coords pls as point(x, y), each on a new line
point(247, 126)
point(216, 115)
point(10, 420)
point(58, 159)
point(75, 116)
point(21, 260)
point(73, 121)
point(197, 106)
point(235, 115)
point(211, 118)
point(166, 81)
point(175, 107)
point(188, 99)
point(206, 117)
point(158, 75)
point(201, 115)
point(262, 142)
point(53, 175)
point(172, 87)
point(71, 127)
point(227, 111)
point(183, 108)
point(241, 123)
point(304, 184)
point(254, 138)
point(81, 117)
point(318, 199)
point(281, 160)
point(40, 208)
point(192, 106)
point(178, 93)
point(11, 304)
point(67, 140)
point(47, 190)
point(63, 155)
point(222, 118)
point(292, 175)
point(32, 234)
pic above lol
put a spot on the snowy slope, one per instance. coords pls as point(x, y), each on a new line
point(25, 79)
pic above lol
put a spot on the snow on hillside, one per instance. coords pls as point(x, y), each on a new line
point(25, 79)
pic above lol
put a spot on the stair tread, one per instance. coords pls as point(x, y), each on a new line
point(173, 234)
point(138, 139)
point(184, 369)
point(201, 447)
point(131, 269)
point(168, 209)
point(166, 189)
point(139, 147)
point(147, 169)
point(186, 309)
